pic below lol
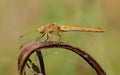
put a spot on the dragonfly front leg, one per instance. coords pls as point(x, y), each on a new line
point(40, 37)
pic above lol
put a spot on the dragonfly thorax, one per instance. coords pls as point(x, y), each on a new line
point(53, 28)
point(50, 28)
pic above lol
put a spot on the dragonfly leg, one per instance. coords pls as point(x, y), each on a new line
point(59, 36)
point(40, 37)
point(47, 38)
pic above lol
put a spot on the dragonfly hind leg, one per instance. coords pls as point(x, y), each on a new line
point(59, 36)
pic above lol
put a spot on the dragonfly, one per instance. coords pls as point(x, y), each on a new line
point(56, 29)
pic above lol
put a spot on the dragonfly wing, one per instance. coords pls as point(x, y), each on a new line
point(24, 39)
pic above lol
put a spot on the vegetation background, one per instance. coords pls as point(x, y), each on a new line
point(20, 16)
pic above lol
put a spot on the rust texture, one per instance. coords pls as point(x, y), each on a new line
point(28, 50)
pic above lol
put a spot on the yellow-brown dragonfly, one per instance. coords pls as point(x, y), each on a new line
point(54, 28)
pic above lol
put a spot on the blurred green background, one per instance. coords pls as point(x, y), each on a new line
point(20, 16)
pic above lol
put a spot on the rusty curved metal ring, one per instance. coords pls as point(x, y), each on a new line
point(27, 51)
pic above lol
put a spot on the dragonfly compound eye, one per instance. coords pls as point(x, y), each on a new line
point(41, 29)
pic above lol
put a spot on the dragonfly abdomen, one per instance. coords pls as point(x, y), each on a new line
point(70, 28)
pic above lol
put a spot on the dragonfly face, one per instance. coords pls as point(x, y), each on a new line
point(42, 29)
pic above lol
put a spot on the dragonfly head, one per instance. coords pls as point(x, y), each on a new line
point(41, 29)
